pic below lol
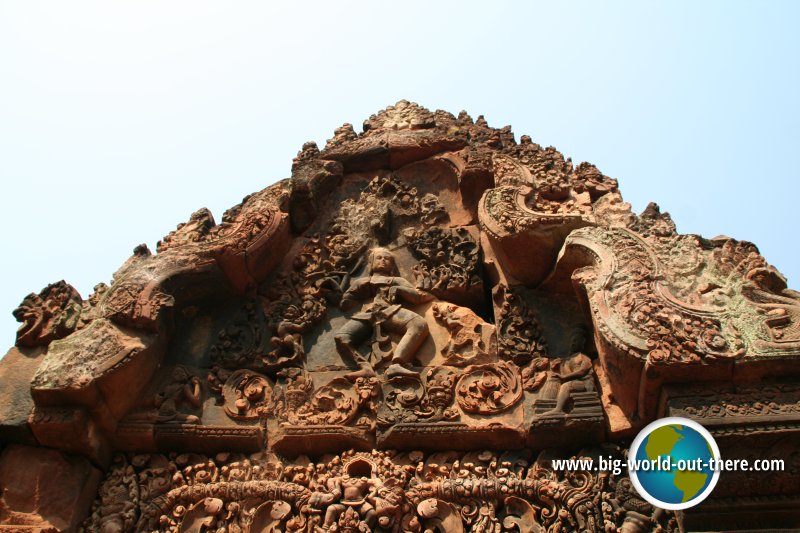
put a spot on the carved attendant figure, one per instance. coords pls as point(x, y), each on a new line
point(571, 373)
point(184, 390)
point(386, 290)
point(342, 492)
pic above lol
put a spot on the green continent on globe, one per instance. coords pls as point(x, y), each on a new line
point(690, 483)
point(661, 441)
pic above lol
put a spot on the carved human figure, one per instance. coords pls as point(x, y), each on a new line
point(183, 391)
point(386, 292)
point(343, 492)
point(570, 373)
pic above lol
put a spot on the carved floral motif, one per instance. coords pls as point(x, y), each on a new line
point(489, 388)
point(247, 395)
point(775, 399)
point(339, 402)
point(519, 334)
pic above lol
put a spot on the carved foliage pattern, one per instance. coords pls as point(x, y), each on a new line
point(340, 401)
point(777, 399)
point(449, 260)
point(672, 332)
point(519, 333)
point(490, 388)
point(693, 300)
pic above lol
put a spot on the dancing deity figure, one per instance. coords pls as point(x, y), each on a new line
point(386, 291)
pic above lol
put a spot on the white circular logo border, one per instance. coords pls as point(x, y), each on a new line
point(634, 449)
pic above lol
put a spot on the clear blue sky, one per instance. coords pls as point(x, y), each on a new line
point(117, 120)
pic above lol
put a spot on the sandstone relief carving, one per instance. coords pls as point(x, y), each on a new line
point(399, 338)
point(386, 293)
point(360, 491)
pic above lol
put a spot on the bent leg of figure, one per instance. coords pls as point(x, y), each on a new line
point(414, 330)
point(565, 393)
point(368, 512)
point(415, 334)
point(332, 514)
point(347, 339)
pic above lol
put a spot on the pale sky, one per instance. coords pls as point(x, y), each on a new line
point(119, 119)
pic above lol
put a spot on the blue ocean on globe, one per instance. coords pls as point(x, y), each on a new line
point(679, 442)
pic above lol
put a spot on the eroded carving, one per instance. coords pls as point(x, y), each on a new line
point(52, 314)
point(181, 394)
point(415, 399)
point(466, 344)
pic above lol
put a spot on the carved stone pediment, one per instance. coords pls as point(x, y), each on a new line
point(340, 351)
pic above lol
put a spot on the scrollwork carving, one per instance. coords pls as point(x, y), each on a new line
point(247, 395)
point(519, 335)
point(413, 399)
point(489, 388)
point(339, 402)
point(379, 491)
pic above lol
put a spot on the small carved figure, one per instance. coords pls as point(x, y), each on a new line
point(353, 491)
point(465, 345)
point(215, 380)
point(386, 289)
point(570, 373)
point(182, 390)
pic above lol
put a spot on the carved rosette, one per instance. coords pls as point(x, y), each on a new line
point(247, 395)
point(489, 389)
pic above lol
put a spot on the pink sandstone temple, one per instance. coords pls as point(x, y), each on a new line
point(402, 337)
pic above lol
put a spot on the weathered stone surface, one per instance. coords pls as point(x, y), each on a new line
point(17, 368)
point(342, 349)
point(45, 489)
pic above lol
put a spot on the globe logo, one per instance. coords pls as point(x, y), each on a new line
point(671, 463)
